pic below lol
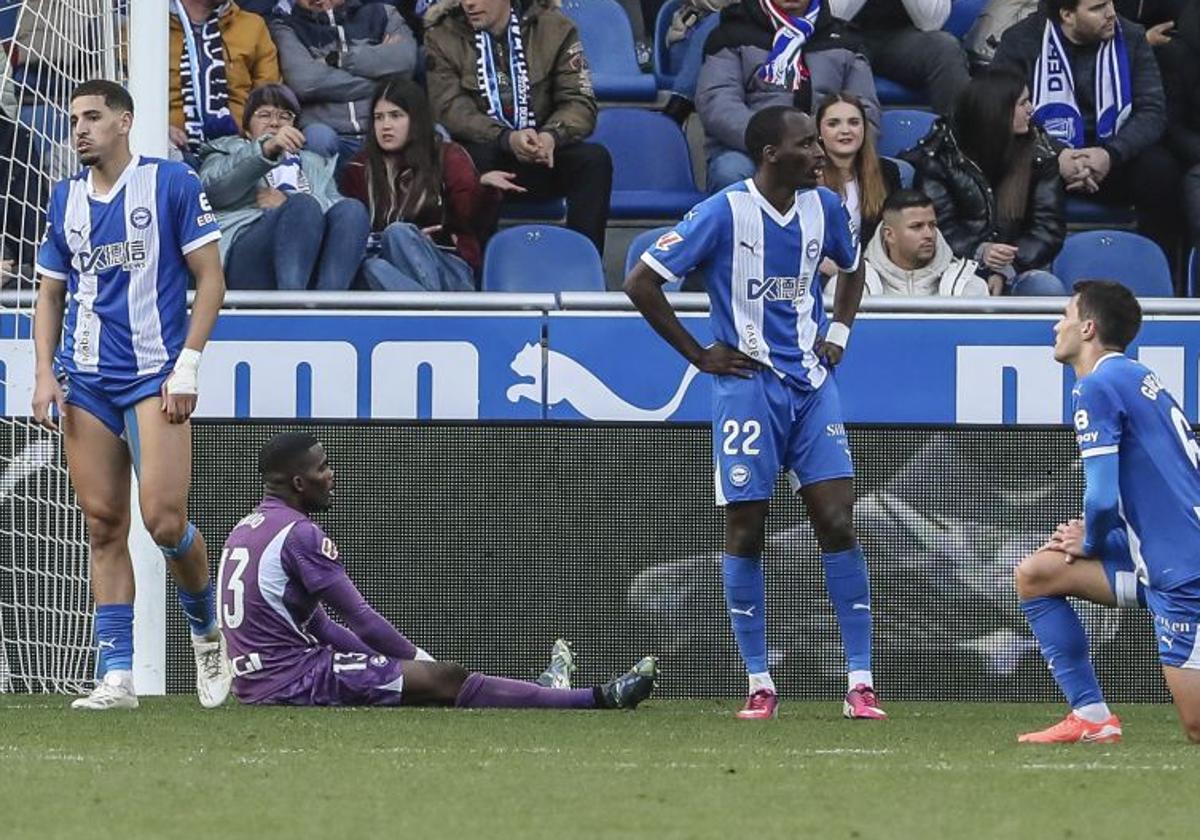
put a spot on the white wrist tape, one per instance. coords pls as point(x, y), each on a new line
point(838, 334)
point(186, 378)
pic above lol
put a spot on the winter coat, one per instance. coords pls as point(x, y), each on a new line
point(966, 203)
point(729, 90)
point(560, 83)
point(339, 94)
point(945, 276)
point(1022, 45)
point(232, 170)
point(250, 59)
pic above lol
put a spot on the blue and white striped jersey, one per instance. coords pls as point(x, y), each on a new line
point(122, 258)
point(761, 271)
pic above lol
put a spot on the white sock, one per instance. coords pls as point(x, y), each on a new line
point(762, 682)
point(119, 677)
point(1094, 712)
point(857, 678)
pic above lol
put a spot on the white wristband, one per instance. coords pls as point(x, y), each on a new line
point(838, 333)
point(186, 377)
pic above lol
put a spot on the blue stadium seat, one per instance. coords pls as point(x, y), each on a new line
point(1132, 260)
point(894, 93)
point(534, 209)
point(902, 129)
point(638, 247)
point(907, 173)
point(1080, 211)
point(652, 169)
point(664, 66)
point(540, 258)
point(962, 17)
point(608, 43)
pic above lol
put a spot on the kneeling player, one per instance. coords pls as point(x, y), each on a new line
point(277, 569)
point(1140, 519)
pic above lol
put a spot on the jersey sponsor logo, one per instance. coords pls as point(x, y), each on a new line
point(739, 475)
point(777, 288)
point(1081, 419)
point(836, 429)
point(125, 255)
point(141, 218)
point(567, 380)
point(206, 220)
point(1087, 438)
point(667, 241)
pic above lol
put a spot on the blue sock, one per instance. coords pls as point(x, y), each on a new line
point(200, 609)
point(1064, 645)
point(850, 592)
point(114, 637)
point(746, 597)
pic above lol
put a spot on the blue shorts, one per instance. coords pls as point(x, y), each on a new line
point(762, 425)
point(1120, 571)
point(112, 401)
point(1176, 619)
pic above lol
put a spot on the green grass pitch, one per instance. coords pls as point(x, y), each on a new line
point(682, 769)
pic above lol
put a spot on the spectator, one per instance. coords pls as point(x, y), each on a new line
point(1156, 16)
point(904, 41)
point(853, 169)
point(333, 52)
point(907, 255)
point(222, 53)
point(690, 26)
point(425, 199)
point(997, 17)
point(1104, 108)
point(1180, 62)
point(284, 224)
point(515, 90)
point(993, 178)
point(764, 53)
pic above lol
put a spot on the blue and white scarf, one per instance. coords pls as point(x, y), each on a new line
point(202, 79)
point(288, 176)
point(784, 66)
point(1054, 107)
point(518, 74)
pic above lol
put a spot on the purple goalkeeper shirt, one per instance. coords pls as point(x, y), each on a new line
point(276, 569)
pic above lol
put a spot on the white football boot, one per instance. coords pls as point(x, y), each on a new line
point(213, 674)
point(115, 691)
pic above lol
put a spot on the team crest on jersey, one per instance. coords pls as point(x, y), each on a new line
point(812, 249)
point(739, 475)
point(126, 255)
point(777, 288)
point(667, 241)
point(141, 218)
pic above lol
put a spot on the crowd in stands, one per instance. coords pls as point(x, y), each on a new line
point(380, 143)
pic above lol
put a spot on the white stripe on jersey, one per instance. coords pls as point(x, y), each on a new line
point(141, 196)
point(273, 580)
point(77, 226)
point(812, 228)
point(749, 247)
point(1135, 545)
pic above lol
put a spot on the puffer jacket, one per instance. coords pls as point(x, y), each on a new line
point(560, 83)
point(966, 203)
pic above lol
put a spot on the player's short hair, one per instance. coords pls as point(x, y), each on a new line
point(115, 96)
point(283, 454)
point(904, 199)
point(1114, 308)
point(766, 129)
point(276, 96)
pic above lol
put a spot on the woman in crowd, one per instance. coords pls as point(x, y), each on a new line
point(429, 208)
point(993, 177)
point(284, 224)
point(853, 169)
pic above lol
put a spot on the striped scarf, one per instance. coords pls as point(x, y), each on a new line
point(206, 114)
point(785, 66)
point(489, 83)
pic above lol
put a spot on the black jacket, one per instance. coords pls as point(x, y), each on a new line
point(1180, 61)
point(966, 203)
point(1022, 44)
point(891, 182)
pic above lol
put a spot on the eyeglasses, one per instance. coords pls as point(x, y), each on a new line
point(271, 114)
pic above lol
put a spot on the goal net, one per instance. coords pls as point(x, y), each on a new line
point(50, 46)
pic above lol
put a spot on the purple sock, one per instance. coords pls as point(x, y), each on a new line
point(482, 691)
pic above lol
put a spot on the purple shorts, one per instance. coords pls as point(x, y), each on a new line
point(343, 679)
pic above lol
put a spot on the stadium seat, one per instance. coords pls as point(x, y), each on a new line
point(962, 17)
point(664, 64)
point(894, 93)
point(1132, 260)
point(1080, 211)
point(540, 258)
point(903, 129)
point(907, 173)
point(638, 247)
point(652, 169)
point(534, 209)
point(608, 43)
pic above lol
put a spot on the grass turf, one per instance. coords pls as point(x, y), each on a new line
point(672, 769)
